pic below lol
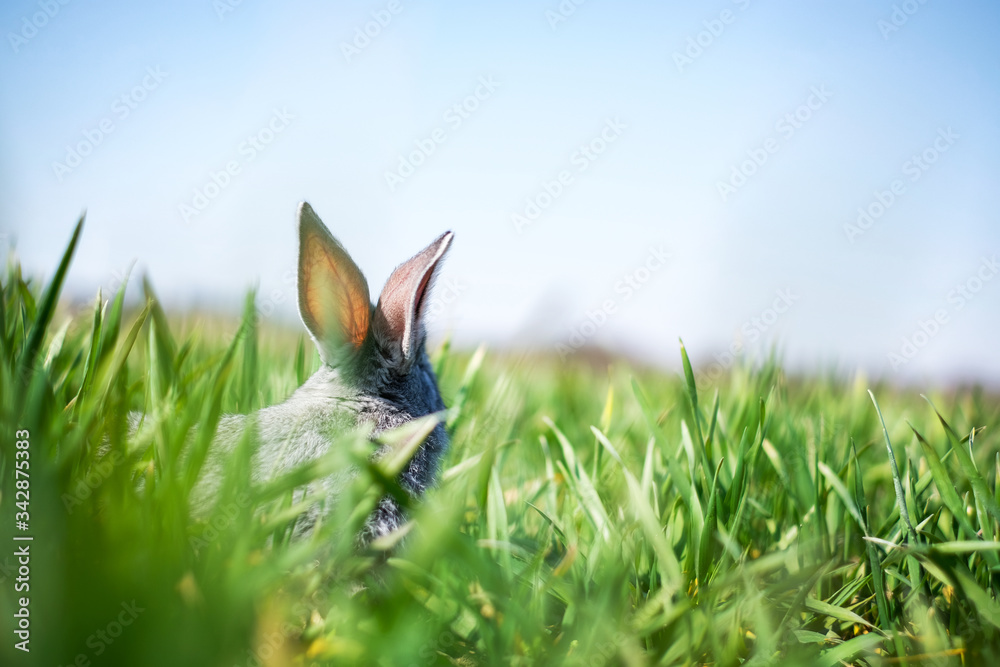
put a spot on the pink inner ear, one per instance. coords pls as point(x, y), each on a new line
point(400, 305)
point(393, 303)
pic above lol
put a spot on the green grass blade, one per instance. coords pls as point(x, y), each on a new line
point(42, 319)
point(896, 481)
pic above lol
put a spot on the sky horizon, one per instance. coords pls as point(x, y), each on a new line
point(737, 174)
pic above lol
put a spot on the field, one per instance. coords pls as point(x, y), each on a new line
point(587, 514)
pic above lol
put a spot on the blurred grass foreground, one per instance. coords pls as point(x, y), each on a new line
point(612, 516)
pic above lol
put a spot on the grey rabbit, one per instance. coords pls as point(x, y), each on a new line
point(374, 371)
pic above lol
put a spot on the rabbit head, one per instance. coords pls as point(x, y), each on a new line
point(374, 361)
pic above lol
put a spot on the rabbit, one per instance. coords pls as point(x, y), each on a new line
point(374, 371)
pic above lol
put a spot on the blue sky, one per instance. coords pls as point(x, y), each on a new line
point(870, 95)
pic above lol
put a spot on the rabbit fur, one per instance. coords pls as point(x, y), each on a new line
point(375, 371)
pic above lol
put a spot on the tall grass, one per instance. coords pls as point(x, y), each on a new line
point(585, 515)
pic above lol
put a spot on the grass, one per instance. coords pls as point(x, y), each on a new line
point(593, 516)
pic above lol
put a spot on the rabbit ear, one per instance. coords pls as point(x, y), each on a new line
point(398, 326)
point(333, 294)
